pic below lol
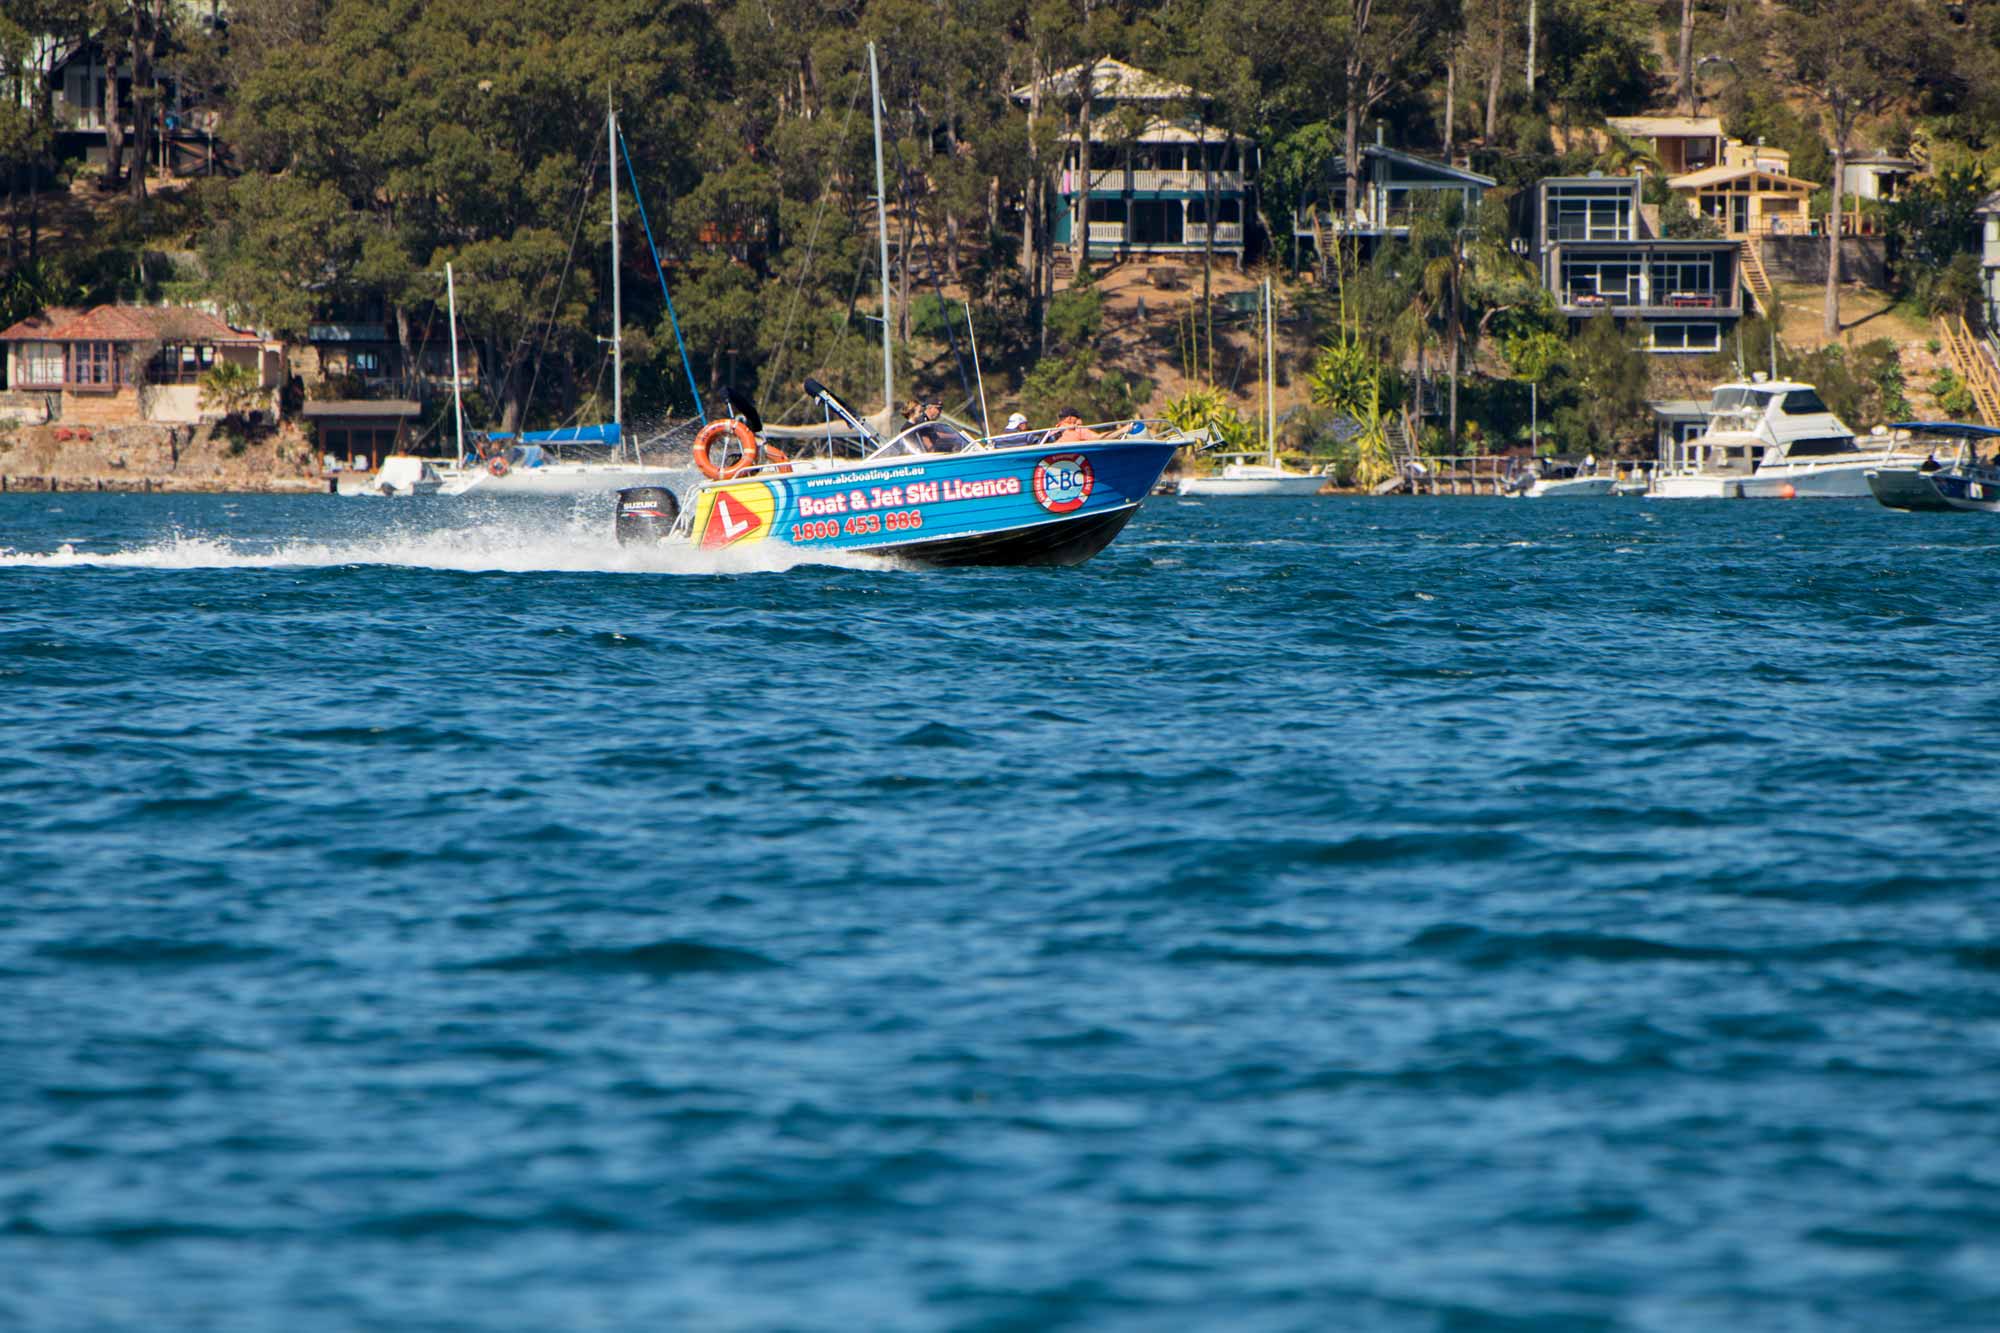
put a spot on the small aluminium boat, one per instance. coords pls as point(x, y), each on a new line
point(1547, 479)
point(929, 495)
point(1963, 483)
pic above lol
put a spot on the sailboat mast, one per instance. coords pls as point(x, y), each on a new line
point(881, 231)
point(617, 310)
point(1270, 377)
point(457, 398)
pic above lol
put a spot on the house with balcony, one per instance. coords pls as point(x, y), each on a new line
point(1144, 179)
point(80, 73)
point(1395, 187)
point(1596, 256)
point(1748, 199)
point(117, 365)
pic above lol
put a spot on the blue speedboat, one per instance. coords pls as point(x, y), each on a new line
point(1962, 482)
point(931, 494)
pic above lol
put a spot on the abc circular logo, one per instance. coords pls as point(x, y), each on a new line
point(1063, 482)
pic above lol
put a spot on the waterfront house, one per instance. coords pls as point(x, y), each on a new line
point(1151, 162)
point(1681, 143)
point(79, 73)
point(1877, 175)
point(1395, 187)
point(1989, 262)
point(1596, 256)
point(1748, 199)
point(368, 357)
point(118, 365)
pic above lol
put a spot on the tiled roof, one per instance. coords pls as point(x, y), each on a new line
point(125, 324)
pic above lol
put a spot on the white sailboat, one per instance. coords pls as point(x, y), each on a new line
point(530, 464)
point(1240, 475)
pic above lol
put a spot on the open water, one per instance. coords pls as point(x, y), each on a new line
point(1394, 915)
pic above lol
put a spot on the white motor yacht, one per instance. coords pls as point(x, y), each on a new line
point(1770, 439)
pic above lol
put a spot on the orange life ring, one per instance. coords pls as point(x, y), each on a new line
point(497, 465)
point(714, 431)
point(772, 454)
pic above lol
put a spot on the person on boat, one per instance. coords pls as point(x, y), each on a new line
point(940, 436)
point(1071, 430)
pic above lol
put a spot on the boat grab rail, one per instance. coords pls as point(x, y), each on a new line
point(1106, 431)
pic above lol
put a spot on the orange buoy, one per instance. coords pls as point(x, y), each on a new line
point(1788, 492)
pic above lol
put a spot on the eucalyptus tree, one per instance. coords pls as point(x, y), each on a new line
point(468, 132)
point(1853, 59)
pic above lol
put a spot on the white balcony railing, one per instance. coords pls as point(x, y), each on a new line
point(1107, 233)
point(1187, 181)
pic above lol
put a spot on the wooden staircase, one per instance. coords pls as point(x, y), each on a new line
point(1396, 433)
point(1756, 280)
point(1974, 365)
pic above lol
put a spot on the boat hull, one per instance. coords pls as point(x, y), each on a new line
point(1906, 488)
point(1963, 492)
point(564, 479)
point(1260, 486)
point(1036, 505)
point(1843, 481)
point(1572, 488)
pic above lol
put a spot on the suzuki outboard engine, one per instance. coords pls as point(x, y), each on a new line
point(646, 515)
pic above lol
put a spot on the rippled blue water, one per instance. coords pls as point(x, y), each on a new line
point(1451, 915)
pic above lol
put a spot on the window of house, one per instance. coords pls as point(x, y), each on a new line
point(1686, 337)
point(41, 365)
point(93, 365)
point(181, 363)
point(1104, 210)
point(368, 363)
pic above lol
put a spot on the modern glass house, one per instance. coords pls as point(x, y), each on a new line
point(1596, 256)
point(1395, 187)
point(1149, 167)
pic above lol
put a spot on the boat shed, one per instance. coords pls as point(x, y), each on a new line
point(357, 434)
point(1676, 421)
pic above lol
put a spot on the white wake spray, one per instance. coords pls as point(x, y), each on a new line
point(518, 543)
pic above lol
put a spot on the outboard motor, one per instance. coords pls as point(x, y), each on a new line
point(646, 515)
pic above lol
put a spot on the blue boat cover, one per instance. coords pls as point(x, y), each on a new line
point(607, 433)
point(1964, 428)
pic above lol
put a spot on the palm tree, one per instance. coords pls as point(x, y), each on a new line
point(1624, 155)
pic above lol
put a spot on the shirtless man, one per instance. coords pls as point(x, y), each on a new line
point(1071, 430)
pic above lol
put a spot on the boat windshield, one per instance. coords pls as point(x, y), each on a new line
point(1820, 446)
point(1737, 399)
point(1803, 402)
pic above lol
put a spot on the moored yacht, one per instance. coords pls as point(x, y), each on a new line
point(1769, 439)
point(1244, 477)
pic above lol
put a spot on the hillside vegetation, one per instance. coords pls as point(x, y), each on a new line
point(371, 142)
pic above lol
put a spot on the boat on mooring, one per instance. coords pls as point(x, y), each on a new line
point(1550, 479)
point(1964, 482)
point(1770, 439)
point(929, 495)
point(1241, 474)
